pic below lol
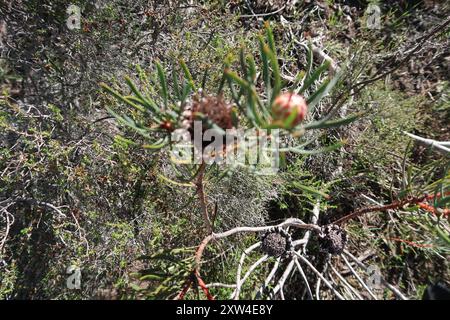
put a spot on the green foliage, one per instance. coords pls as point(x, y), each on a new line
point(120, 199)
point(165, 107)
point(167, 272)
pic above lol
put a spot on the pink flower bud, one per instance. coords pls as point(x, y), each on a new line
point(285, 104)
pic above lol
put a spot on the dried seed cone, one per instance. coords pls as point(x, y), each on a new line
point(287, 103)
point(212, 107)
point(332, 239)
point(276, 242)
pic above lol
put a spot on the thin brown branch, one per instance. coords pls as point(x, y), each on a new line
point(394, 205)
point(202, 197)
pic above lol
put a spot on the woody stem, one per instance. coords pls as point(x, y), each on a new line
point(202, 198)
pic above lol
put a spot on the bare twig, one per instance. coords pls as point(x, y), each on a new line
point(387, 284)
point(9, 222)
point(300, 269)
point(247, 274)
point(202, 197)
point(327, 283)
point(439, 145)
point(269, 278)
point(258, 15)
point(358, 277)
point(345, 282)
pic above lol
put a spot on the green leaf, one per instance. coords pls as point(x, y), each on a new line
point(251, 68)
point(221, 84)
point(186, 91)
point(270, 37)
point(157, 145)
point(313, 77)
point(442, 202)
point(234, 77)
point(316, 151)
point(152, 277)
point(124, 141)
point(188, 75)
point(162, 82)
point(175, 182)
point(443, 234)
point(243, 63)
point(266, 71)
point(146, 102)
point(205, 77)
point(310, 190)
point(276, 74)
point(290, 120)
point(176, 86)
point(324, 89)
point(129, 123)
point(236, 97)
point(252, 97)
point(119, 97)
point(332, 123)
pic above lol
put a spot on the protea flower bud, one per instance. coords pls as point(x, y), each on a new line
point(287, 103)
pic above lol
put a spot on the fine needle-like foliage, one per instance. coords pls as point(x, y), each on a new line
point(252, 107)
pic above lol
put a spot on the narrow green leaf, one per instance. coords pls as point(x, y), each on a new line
point(119, 97)
point(290, 120)
point(266, 71)
point(252, 68)
point(323, 91)
point(252, 98)
point(243, 63)
point(310, 189)
point(162, 82)
point(147, 102)
point(176, 86)
point(157, 145)
point(234, 77)
point(186, 91)
point(313, 77)
point(333, 123)
point(124, 141)
point(234, 95)
point(442, 201)
point(129, 123)
point(276, 74)
point(152, 277)
point(270, 37)
point(205, 77)
point(221, 84)
point(316, 151)
point(188, 75)
point(175, 182)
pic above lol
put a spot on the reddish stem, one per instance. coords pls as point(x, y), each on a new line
point(413, 244)
point(394, 205)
